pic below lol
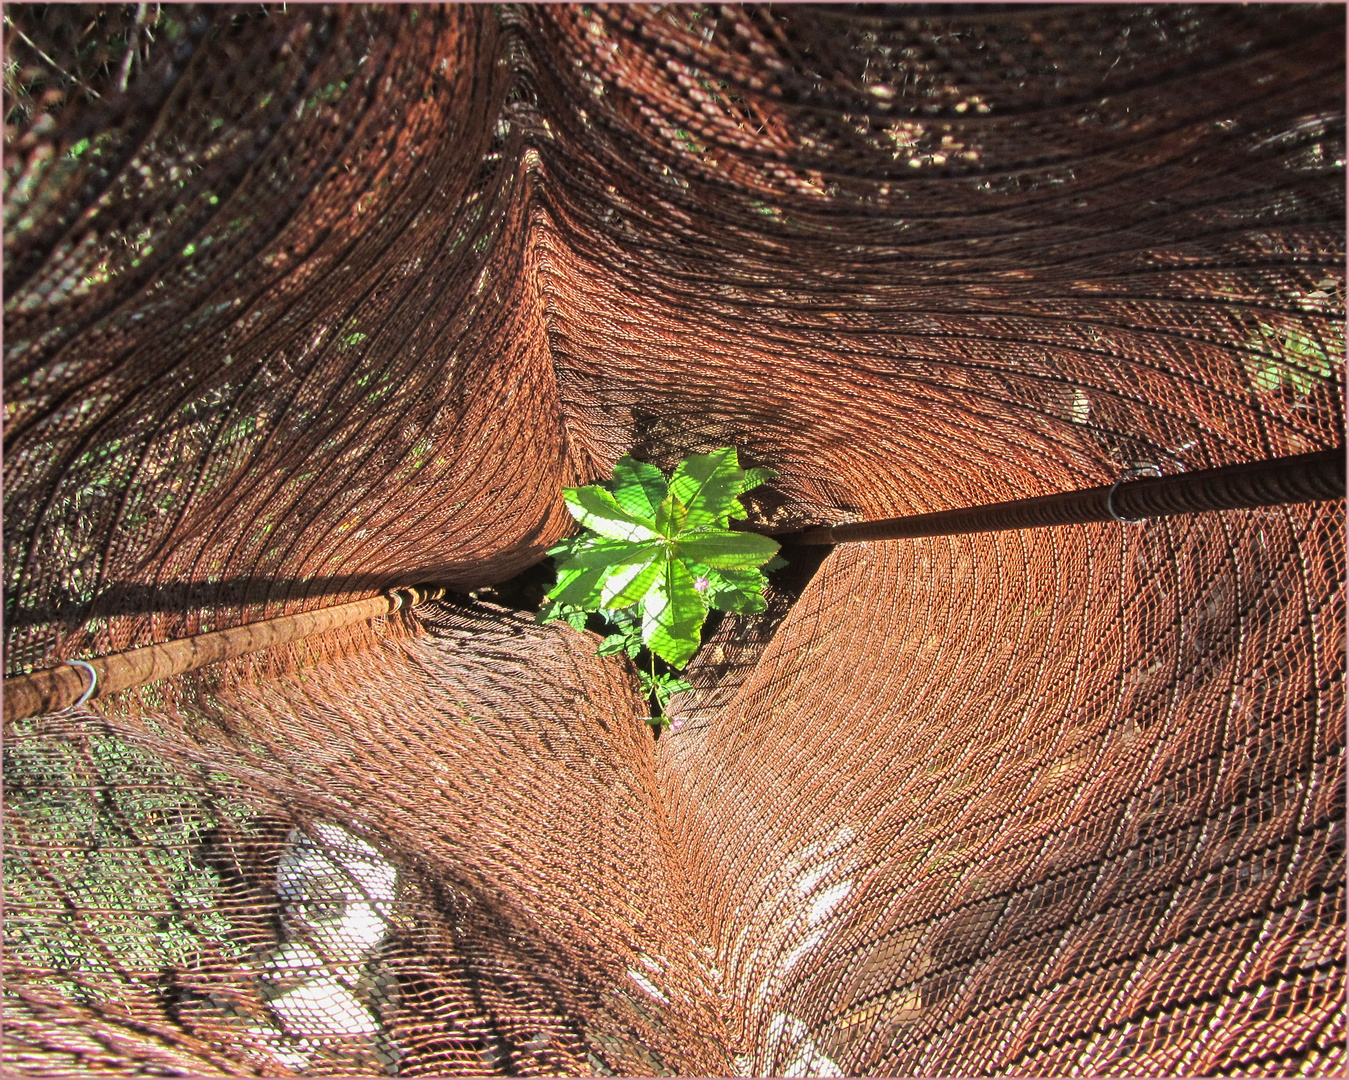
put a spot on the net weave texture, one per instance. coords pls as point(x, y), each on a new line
point(306, 303)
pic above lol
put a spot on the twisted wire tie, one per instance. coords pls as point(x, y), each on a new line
point(1129, 474)
point(93, 681)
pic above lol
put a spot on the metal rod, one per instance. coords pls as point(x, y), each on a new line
point(79, 680)
point(1304, 478)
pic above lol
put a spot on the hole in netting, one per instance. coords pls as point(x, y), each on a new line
point(731, 644)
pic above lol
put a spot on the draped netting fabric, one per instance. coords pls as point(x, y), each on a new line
point(303, 303)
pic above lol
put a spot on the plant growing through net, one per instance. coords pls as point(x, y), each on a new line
point(655, 556)
point(1292, 356)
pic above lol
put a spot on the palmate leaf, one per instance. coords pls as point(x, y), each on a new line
point(625, 585)
point(738, 591)
point(672, 614)
point(609, 573)
point(638, 487)
point(754, 477)
point(726, 550)
point(572, 544)
point(580, 587)
point(647, 548)
point(671, 516)
point(606, 553)
point(598, 511)
point(735, 601)
point(708, 484)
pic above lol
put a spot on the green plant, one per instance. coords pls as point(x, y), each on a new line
point(1290, 354)
point(1303, 362)
point(627, 638)
point(657, 555)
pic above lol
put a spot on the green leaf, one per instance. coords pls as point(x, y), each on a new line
point(556, 611)
point(564, 580)
point(626, 585)
point(551, 611)
point(744, 580)
point(668, 690)
point(739, 591)
point(1301, 362)
point(607, 553)
point(614, 643)
point(670, 517)
point(727, 550)
point(672, 615)
point(642, 547)
point(707, 484)
point(648, 684)
point(596, 509)
point(735, 600)
point(638, 487)
point(580, 588)
point(754, 477)
point(730, 590)
point(777, 562)
point(570, 544)
point(664, 687)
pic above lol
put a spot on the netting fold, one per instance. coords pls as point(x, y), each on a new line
point(305, 303)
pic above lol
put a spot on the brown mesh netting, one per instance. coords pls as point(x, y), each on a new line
point(306, 303)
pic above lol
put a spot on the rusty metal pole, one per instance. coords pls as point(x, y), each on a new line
point(60, 687)
point(1304, 478)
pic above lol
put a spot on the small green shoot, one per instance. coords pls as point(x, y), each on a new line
point(655, 556)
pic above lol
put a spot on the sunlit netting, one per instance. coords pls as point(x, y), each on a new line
point(304, 303)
